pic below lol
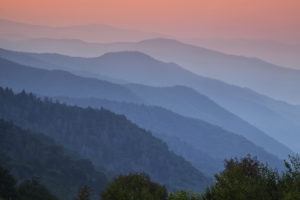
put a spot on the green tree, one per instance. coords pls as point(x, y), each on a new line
point(7, 185)
point(33, 190)
point(184, 195)
point(134, 187)
point(290, 181)
point(244, 179)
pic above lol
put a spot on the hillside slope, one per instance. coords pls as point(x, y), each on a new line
point(107, 139)
point(35, 155)
point(56, 82)
point(204, 145)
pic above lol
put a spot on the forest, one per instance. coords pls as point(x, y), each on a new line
point(42, 158)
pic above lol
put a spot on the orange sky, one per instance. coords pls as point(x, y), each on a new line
point(273, 19)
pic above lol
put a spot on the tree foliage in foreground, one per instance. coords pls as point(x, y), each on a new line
point(134, 187)
point(242, 179)
point(184, 195)
point(248, 179)
point(290, 181)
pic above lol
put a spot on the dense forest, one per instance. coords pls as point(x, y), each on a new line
point(203, 144)
point(110, 141)
point(31, 155)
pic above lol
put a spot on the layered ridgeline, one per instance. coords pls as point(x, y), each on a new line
point(269, 79)
point(57, 82)
point(204, 145)
point(208, 110)
point(143, 69)
point(277, 119)
point(266, 78)
point(15, 32)
point(37, 156)
point(110, 141)
point(188, 102)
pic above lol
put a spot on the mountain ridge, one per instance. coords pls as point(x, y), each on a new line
point(107, 139)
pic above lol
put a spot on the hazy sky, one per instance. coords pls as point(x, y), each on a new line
point(272, 19)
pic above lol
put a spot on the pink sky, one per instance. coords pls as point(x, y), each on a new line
point(271, 19)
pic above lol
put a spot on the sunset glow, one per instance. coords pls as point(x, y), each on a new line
point(272, 19)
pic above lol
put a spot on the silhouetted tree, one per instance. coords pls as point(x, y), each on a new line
point(134, 187)
point(245, 179)
point(184, 195)
point(290, 181)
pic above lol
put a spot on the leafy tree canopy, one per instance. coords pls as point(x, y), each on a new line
point(134, 187)
point(184, 195)
point(245, 179)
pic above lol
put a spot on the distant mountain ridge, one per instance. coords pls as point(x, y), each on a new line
point(16, 76)
point(12, 30)
point(277, 119)
point(188, 102)
point(238, 70)
point(278, 53)
point(57, 82)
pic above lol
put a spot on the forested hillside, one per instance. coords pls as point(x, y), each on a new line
point(203, 144)
point(107, 139)
point(31, 155)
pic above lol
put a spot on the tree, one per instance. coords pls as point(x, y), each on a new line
point(84, 193)
point(290, 181)
point(7, 185)
point(134, 187)
point(184, 195)
point(33, 190)
point(244, 179)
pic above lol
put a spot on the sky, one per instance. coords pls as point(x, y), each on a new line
point(271, 19)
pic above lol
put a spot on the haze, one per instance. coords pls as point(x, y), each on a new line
point(272, 19)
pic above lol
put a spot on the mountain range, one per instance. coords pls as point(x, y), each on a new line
point(16, 76)
point(278, 119)
point(110, 141)
point(269, 79)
